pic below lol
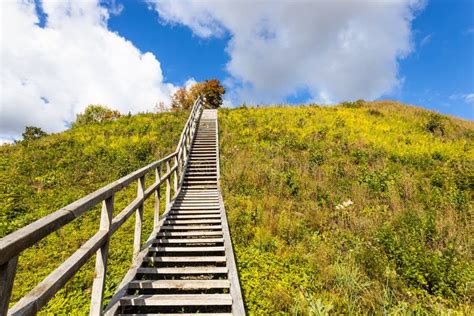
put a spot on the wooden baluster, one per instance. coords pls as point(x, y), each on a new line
point(175, 178)
point(101, 259)
point(168, 184)
point(7, 276)
point(157, 198)
point(137, 242)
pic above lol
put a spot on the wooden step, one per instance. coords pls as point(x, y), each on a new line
point(189, 227)
point(191, 221)
point(177, 300)
point(196, 259)
point(197, 216)
point(188, 240)
point(183, 270)
point(190, 234)
point(196, 207)
point(212, 212)
point(180, 314)
point(180, 284)
point(187, 249)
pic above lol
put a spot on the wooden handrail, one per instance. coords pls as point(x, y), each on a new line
point(13, 244)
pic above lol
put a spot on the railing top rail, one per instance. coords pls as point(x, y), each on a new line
point(25, 237)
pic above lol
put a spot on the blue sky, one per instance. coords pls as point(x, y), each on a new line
point(130, 55)
point(437, 75)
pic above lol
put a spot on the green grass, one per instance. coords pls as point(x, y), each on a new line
point(404, 245)
point(41, 176)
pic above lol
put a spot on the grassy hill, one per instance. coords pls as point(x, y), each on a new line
point(358, 208)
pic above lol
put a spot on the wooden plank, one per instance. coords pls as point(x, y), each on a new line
point(180, 284)
point(42, 293)
point(180, 314)
point(188, 240)
point(14, 243)
point(191, 221)
point(214, 259)
point(196, 227)
point(180, 216)
point(137, 240)
point(188, 212)
point(7, 277)
point(177, 300)
point(187, 249)
point(183, 270)
point(102, 254)
point(189, 234)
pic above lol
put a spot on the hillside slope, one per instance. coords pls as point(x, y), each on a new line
point(355, 208)
point(359, 208)
point(41, 176)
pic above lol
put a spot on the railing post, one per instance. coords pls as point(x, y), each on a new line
point(137, 241)
point(156, 218)
point(175, 178)
point(101, 259)
point(168, 183)
point(7, 276)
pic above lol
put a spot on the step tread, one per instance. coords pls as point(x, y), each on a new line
point(186, 259)
point(183, 270)
point(187, 249)
point(180, 284)
point(177, 300)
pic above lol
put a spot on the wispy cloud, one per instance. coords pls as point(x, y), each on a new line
point(466, 97)
point(426, 40)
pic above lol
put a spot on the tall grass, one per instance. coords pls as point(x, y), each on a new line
point(358, 208)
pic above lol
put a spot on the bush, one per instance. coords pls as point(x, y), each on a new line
point(436, 124)
point(96, 114)
point(32, 133)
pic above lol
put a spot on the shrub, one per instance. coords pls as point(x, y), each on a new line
point(436, 124)
point(32, 133)
point(96, 114)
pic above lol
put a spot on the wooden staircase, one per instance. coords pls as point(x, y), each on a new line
point(187, 264)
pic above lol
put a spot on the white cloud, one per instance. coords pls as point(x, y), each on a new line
point(50, 74)
point(426, 40)
point(465, 97)
point(336, 50)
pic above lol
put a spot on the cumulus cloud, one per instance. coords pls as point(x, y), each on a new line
point(51, 73)
point(334, 50)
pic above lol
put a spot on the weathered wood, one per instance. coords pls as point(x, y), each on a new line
point(101, 258)
point(185, 270)
point(180, 284)
point(175, 178)
point(42, 293)
point(137, 241)
point(185, 259)
point(188, 240)
point(178, 300)
point(168, 185)
point(14, 243)
point(187, 249)
point(7, 276)
point(156, 213)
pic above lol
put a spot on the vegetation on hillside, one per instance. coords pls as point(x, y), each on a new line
point(359, 208)
point(39, 176)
